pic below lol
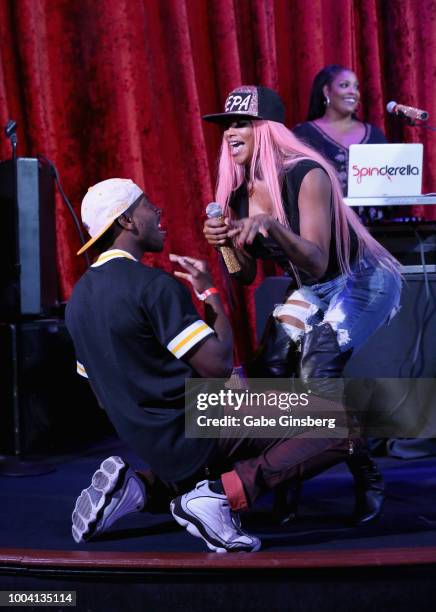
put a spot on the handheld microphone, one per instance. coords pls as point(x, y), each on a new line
point(407, 111)
point(214, 211)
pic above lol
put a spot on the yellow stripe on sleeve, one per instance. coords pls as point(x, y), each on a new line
point(188, 338)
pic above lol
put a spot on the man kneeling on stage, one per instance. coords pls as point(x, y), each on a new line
point(138, 337)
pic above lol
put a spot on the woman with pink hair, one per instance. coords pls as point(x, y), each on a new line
point(281, 200)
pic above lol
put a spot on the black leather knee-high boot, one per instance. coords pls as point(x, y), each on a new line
point(276, 356)
point(322, 359)
point(369, 488)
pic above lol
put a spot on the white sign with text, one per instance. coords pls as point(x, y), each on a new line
point(379, 170)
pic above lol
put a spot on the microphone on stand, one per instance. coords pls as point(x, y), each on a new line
point(407, 111)
point(214, 211)
point(11, 133)
point(10, 128)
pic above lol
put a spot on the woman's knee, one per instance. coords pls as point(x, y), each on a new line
point(297, 313)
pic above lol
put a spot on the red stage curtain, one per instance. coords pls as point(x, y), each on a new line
point(117, 88)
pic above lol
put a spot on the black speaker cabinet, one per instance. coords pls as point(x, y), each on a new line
point(403, 349)
point(28, 283)
point(45, 406)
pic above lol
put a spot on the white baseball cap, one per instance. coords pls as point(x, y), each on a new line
point(103, 203)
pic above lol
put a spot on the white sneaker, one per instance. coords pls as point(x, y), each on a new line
point(207, 515)
point(115, 491)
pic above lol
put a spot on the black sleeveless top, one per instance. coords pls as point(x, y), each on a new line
point(267, 248)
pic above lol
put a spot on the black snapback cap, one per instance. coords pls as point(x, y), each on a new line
point(253, 102)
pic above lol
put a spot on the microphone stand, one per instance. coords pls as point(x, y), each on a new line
point(412, 123)
point(16, 465)
point(426, 127)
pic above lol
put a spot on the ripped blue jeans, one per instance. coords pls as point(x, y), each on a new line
point(355, 306)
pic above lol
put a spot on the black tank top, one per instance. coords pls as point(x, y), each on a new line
point(267, 248)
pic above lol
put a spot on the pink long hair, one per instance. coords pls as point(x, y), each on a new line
point(276, 150)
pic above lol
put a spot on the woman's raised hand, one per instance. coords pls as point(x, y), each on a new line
point(245, 230)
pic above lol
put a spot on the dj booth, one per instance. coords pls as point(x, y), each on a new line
point(384, 188)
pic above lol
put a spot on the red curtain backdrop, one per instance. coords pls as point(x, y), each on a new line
point(109, 88)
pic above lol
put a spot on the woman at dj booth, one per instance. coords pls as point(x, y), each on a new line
point(331, 125)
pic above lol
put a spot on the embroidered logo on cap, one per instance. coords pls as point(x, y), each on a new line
point(238, 103)
point(242, 100)
point(253, 101)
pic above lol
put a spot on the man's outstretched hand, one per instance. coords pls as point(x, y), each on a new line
point(196, 273)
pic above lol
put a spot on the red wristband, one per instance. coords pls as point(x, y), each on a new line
point(207, 293)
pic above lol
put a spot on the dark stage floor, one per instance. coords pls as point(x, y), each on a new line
point(35, 512)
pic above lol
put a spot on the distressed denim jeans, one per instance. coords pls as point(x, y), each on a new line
point(357, 305)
